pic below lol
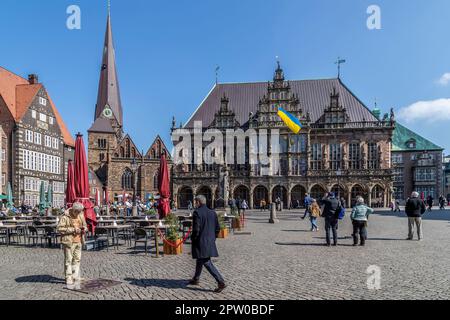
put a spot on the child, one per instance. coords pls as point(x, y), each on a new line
point(314, 213)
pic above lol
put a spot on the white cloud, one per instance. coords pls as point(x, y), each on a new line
point(428, 111)
point(444, 80)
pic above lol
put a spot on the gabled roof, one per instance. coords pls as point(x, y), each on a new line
point(132, 145)
point(402, 137)
point(154, 145)
point(102, 125)
point(314, 96)
point(18, 95)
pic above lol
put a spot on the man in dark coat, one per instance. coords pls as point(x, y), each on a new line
point(205, 230)
point(330, 211)
point(415, 208)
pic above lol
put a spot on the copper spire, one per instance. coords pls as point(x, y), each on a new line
point(108, 88)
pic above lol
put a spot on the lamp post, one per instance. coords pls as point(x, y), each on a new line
point(134, 167)
point(338, 175)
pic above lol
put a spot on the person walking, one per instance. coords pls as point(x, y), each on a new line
point(441, 202)
point(244, 206)
point(314, 213)
point(359, 216)
point(72, 227)
point(331, 209)
point(415, 208)
point(262, 205)
point(430, 200)
point(308, 200)
point(205, 230)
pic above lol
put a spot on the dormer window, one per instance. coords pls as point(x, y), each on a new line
point(42, 101)
point(411, 144)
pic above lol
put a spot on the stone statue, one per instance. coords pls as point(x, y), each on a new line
point(224, 184)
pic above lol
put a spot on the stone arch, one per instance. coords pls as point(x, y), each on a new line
point(207, 192)
point(298, 193)
point(340, 191)
point(185, 194)
point(260, 193)
point(317, 192)
point(377, 196)
point(281, 192)
point(242, 192)
point(358, 191)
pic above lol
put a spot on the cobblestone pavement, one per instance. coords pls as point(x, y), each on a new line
point(281, 261)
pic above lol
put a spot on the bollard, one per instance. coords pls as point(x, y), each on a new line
point(273, 214)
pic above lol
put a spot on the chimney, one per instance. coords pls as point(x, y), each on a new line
point(33, 79)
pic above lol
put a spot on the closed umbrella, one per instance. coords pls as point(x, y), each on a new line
point(70, 188)
point(9, 197)
point(42, 199)
point(98, 203)
point(81, 178)
point(50, 197)
point(164, 188)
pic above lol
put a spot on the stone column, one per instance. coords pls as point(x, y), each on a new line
point(369, 198)
point(250, 200)
point(349, 199)
point(288, 198)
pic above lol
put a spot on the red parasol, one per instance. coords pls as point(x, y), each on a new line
point(70, 189)
point(98, 202)
point(164, 188)
point(82, 183)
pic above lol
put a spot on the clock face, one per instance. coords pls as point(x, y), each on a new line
point(108, 113)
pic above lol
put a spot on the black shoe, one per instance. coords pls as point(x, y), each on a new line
point(362, 244)
point(194, 282)
point(220, 288)
point(355, 244)
point(328, 244)
point(334, 244)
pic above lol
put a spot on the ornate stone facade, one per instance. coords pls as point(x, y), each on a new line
point(342, 147)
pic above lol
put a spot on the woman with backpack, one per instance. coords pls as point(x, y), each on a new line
point(314, 213)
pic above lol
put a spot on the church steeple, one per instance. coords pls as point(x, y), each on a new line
point(109, 104)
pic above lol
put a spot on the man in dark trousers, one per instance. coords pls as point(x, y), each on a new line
point(414, 209)
point(331, 208)
point(205, 230)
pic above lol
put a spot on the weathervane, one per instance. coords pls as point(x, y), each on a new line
point(109, 6)
point(339, 62)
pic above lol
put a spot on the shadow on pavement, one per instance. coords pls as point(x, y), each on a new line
point(40, 279)
point(164, 283)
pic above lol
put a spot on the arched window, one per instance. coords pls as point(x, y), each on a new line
point(156, 181)
point(127, 179)
point(153, 154)
point(127, 149)
point(133, 152)
point(122, 152)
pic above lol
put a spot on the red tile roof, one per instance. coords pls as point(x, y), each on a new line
point(18, 95)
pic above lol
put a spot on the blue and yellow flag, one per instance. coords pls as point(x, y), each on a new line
point(292, 122)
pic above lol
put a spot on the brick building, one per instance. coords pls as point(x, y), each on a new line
point(110, 150)
point(342, 147)
point(38, 142)
point(446, 177)
point(417, 165)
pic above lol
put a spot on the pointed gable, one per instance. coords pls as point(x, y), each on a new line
point(25, 95)
point(157, 148)
point(127, 149)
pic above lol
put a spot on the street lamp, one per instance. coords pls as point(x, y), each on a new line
point(338, 175)
point(134, 167)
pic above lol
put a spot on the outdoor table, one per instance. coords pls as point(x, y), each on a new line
point(17, 221)
point(8, 229)
point(156, 228)
point(109, 222)
point(114, 231)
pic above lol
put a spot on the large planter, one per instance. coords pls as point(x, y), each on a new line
point(223, 234)
point(236, 223)
point(169, 250)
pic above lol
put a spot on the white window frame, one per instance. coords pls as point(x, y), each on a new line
point(42, 101)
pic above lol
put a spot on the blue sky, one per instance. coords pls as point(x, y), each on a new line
point(167, 52)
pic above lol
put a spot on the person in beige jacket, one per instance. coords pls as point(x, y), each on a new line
point(72, 228)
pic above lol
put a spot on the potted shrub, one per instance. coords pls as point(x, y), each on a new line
point(223, 228)
point(173, 236)
point(236, 223)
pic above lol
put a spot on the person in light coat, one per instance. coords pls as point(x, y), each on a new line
point(72, 227)
point(359, 216)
